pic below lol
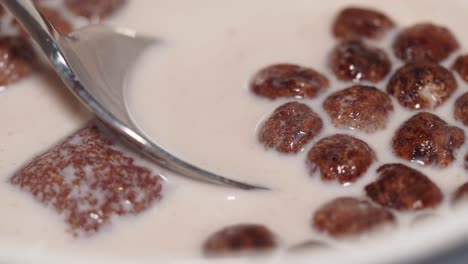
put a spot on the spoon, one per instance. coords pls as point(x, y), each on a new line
point(93, 63)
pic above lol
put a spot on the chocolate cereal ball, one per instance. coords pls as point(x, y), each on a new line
point(16, 57)
point(341, 158)
point(461, 109)
point(238, 239)
point(359, 107)
point(427, 140)
point(357, 22)
point(352, 60)
point(290, 127)
point(425, 41)
point(348, 216)
point(422, 85)
point(403, 188)
point(461, 67)
point(94, 9)
point(288, 81)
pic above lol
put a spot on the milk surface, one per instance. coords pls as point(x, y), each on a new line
point(190, 95)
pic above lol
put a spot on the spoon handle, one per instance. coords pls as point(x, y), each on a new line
point(40, 29)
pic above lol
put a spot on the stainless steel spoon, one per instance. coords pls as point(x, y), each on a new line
point(93, 63)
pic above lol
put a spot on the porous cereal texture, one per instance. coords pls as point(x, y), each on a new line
point(426, 139)
point(340, 158)
point(422, 85)
point(461, 109)
point(403, 188)
point(288, 81)
point(347, 216)
point(425, 41)
point(353, 60)
point(16, 57)
point(87, 181)
point(290, 127)
point(240, 239)
point(461, 67)
point(359, 22)
point(360, 107)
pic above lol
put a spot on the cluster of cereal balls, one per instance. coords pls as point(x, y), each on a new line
point(421, 85)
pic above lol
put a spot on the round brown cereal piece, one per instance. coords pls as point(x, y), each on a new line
point(422, 85)
point(355, 22)
point(341, 158)
point(290, 127)
point(240, 238)
point(403, 188)
point(348, 216)
point(94, 9)
point(352, 60)
point(359, 107)
point(461, 109)
point(288, 80)
point(425, 41)
point(16, 57)
point(426, 139)
point(461, 194)
point(461, 66)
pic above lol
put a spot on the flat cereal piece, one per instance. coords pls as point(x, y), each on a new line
point(341, 158)
point(348, 216)
point(16, 58)
point(461, 194)
point(290, 127)
point(352, 60)
point(288, 81)
point(403, 188)
point(358, 22)
point(240, 239)
point(461, 109)
point(88, 182)
point(359, 107)
point(427, 140)
point(425, 41)
point(461, 67)
point(94, 10)
point(422, 85)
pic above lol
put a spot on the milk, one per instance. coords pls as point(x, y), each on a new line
point(191, 96)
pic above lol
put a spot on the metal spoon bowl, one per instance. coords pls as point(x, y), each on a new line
point(93, 63)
